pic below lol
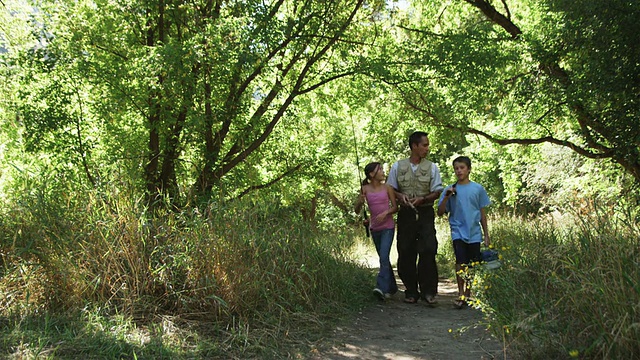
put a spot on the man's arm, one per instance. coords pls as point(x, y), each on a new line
point(401, 197)
point(432, 196)
point(436, 180)
point(392, 178)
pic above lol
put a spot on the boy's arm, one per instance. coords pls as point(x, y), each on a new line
point(442, 206)
point(485, 228)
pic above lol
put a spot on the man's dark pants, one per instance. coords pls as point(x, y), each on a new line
point(416, 241)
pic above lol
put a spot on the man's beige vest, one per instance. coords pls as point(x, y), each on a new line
point(416, 184)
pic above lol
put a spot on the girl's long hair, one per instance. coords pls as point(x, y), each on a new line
point(367, 170)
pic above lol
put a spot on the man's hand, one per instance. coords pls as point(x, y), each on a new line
point(431, 197)
point(417, 201)
point(403, 199)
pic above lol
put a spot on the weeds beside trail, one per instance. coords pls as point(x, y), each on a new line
point(97, 277)
point(569, 287)
point(85, 277)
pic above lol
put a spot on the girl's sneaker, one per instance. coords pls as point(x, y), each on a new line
point(378, 293)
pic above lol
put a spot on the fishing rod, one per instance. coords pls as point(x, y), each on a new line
point(365, 218)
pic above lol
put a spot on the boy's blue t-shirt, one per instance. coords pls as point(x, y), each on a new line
point(464, 211)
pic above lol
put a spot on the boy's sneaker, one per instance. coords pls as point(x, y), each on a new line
point(378, 293)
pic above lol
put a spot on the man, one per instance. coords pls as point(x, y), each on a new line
point(418, 184)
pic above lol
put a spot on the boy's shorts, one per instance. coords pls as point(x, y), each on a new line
point(466, 253)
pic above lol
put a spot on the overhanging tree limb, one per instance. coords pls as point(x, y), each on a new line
point(489, 11)
point(267, 184)
point(545, 139)
point(594, 125)
point(608, 153)
point(294, 92)
point(587, 121)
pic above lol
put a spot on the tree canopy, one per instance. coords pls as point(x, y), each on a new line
point(190, 100)
point(521, 72)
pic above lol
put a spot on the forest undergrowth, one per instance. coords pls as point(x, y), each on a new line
point(569, 286)
point(100, 277)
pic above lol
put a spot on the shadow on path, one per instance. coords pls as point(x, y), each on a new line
point(395, 330)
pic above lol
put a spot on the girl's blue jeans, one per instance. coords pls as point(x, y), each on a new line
point(386, 281)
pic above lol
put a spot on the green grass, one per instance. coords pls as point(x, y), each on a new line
point(95, 276)
point(90, 278)
point(569, 288)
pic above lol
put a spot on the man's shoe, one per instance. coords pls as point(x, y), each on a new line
point(430, 300)
point(410, 300)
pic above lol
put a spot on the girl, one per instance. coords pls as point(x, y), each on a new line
point(382, 204)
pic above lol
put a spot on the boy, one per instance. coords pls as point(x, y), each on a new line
point(465, 201)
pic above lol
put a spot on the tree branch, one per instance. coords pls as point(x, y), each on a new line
point(295, 91)
point(327, 80)
point(489, 11)
point(602, 154)
point(236, 91)
point(265, 185)
point(81, 149)
point(337, 203)
point(586, 120)
point(546, 113)
point(506, 8)
point(549, 139)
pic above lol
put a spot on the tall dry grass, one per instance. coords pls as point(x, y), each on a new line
point(254, 274)
point(569, 287)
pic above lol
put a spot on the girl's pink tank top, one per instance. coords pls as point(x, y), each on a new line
point(379, 202)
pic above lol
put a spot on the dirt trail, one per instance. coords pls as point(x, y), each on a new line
point(399, 331)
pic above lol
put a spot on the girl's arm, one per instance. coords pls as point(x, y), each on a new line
point(392, 209)
point(392, 197)
point(485, 228)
